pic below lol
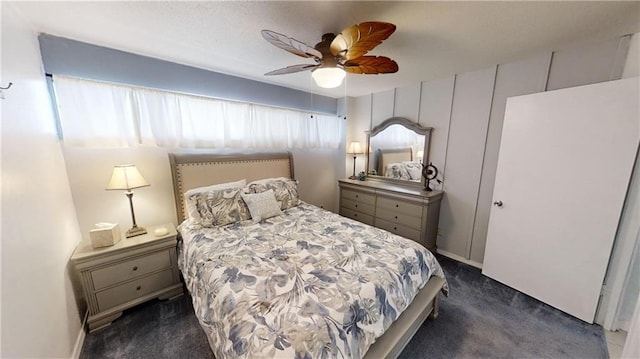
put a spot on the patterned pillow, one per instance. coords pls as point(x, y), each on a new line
point(262, 205)
point(285, 190)
point(190, 206)
point(220, 207)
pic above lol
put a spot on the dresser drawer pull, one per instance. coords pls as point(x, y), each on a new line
point(355, 215)
point(135, 268)
point(138, 287)
point(356, 206)
point(395, 228)
point(396, 217)
point(356, 196)
point(397, 205)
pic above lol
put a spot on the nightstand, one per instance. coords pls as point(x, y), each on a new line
point(131, 272)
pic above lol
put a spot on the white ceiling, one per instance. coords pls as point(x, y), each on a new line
point(432, 40)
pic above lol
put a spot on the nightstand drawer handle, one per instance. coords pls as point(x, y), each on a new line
point(135, 268)
point(395, 228)
point(356, 206)
point(397, 205)
point(396, 217)
point(138, 287)
point(356, 196)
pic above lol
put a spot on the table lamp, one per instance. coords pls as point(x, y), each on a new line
point(127, 177)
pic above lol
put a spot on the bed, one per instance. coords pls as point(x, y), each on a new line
point(305, 283)
point(398, 163)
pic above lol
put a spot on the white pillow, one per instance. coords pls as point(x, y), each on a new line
point(190, 205)
point(262, 205)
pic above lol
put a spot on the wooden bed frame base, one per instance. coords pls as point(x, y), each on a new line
point(190, 171)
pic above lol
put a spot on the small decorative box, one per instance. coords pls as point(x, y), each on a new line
point(105, 234)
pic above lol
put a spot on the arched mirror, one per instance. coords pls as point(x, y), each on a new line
point(396, 150)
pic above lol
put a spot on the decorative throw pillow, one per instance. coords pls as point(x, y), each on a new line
point(285, 190)
point(262, 205)
point(190, 206)
point(220, 207)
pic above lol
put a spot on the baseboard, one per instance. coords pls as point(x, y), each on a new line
point(77, 349)
point(459, 259)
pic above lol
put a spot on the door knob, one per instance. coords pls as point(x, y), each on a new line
point(497, 203)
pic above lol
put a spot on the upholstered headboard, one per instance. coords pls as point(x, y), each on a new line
point(393, 156)
point(196, 170)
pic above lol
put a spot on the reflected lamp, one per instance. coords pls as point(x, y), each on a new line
point(354, 149)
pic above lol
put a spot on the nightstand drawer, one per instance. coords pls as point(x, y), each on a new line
point(358, 216)
point(359, 197)
point(358, 206)
point(124, 271)
point(398, 229)
point(123, 293)
point(399, 206)
point(400, 218)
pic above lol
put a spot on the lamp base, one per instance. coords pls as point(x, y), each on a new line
point(135, 231)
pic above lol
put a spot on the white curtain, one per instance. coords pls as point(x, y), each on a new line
point(96, 114)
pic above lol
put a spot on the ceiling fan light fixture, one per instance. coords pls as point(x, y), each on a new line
point(328, 77)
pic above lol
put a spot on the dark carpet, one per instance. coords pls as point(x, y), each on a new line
point(481, 318)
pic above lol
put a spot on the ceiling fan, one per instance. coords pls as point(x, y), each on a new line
point(336, 54)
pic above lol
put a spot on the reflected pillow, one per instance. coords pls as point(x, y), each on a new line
point(396, 170)
point(414, 169)
point(285, 190)
point(262, 205)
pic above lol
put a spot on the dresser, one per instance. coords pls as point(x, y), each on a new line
point(131, 272)
point(407, 211)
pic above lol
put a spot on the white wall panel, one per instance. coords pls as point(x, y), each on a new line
point(40, 316)
point(465, 150)
point(513, 79)
point(89, 171)
point(582, 65)
point(407, 102)
point(435, 112)
point(382, 107)
point(358, 123)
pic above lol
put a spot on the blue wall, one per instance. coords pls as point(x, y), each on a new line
point(68, 57)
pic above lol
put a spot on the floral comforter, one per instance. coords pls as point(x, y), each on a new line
point(308, 284)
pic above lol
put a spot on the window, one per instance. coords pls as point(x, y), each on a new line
point(97, 114)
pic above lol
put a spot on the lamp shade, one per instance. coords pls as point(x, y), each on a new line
point(126, 177)
point(328, 77)
point(355, 148)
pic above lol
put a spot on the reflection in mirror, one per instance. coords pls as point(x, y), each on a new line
point(397, 149)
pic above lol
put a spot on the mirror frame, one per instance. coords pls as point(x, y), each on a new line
point(410, 125)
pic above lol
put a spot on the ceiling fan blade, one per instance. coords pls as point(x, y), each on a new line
point(290, 44)
point(357, 40)
point(292, 69)
point(371, 65)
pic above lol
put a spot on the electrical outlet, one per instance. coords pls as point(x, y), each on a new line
point(440, 232)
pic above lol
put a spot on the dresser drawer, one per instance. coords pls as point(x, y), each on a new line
point(121, 294)
point(358, 216)
point(358, 206)
point(398, 229)
point(124, 271)
point(400, 218)
point(361, 197)
point(399, 206)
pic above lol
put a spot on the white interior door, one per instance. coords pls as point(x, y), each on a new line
point(565, 161)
